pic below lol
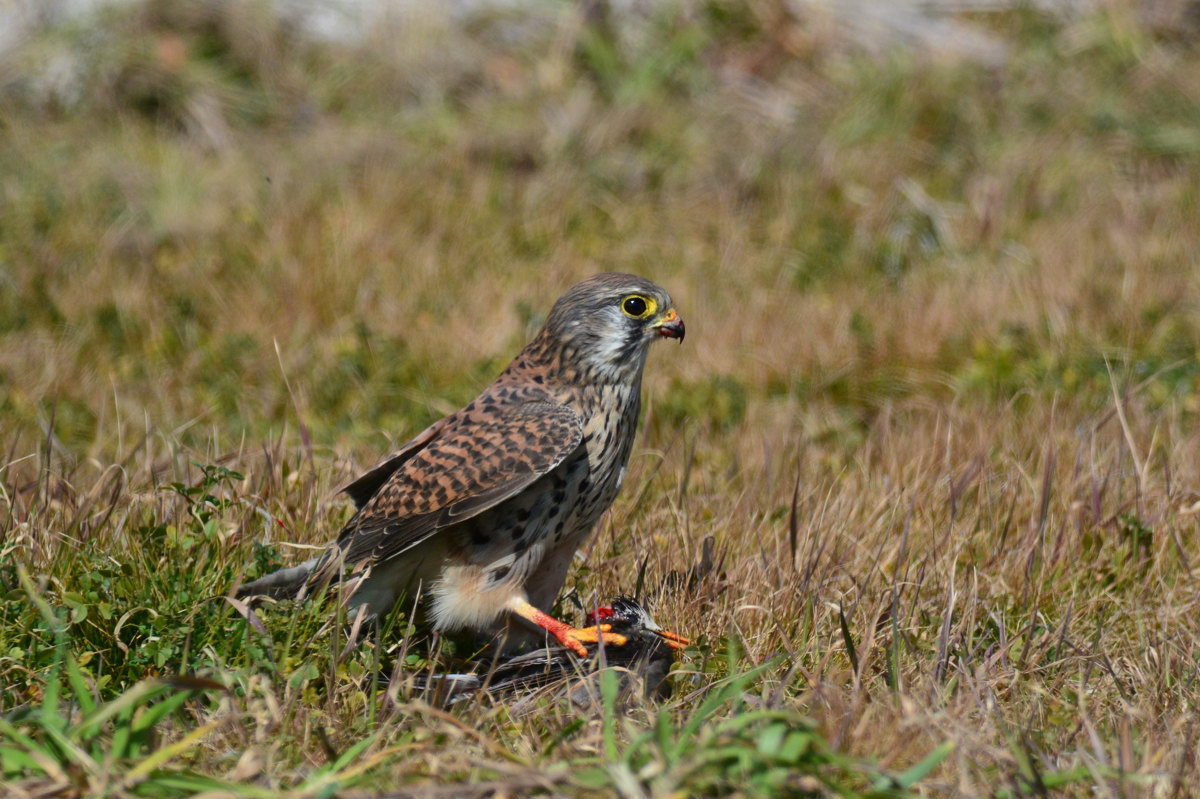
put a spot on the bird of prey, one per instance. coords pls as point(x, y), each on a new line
point(482, 512)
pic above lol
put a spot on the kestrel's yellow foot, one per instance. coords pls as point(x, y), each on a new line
point(591, 635)
point(573, 638)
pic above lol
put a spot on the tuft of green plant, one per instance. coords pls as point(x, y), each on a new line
point(72, 741)
point(726, 746)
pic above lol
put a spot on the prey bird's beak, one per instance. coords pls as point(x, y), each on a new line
point(669, 325)
point(673, 640)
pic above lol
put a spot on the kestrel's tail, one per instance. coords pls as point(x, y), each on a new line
point(283, 584)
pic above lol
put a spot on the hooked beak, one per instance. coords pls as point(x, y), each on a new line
point(670, 325)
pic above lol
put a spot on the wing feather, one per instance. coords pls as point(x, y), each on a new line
point(366, 485)
point(467, 466)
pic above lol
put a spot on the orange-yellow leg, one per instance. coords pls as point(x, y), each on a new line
point(573, 638)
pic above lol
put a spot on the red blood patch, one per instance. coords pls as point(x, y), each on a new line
point(600, 615)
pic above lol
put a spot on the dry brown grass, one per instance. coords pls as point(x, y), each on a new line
point(991, 584)
point(937, 406)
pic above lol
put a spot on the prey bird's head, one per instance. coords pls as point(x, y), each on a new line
point(608, 321)
point(627, 617)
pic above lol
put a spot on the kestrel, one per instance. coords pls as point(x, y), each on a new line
point(482, 512)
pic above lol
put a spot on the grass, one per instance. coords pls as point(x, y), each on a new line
point(936, 413)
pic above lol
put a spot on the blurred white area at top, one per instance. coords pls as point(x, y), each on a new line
point(331, 20)
point(928, 25)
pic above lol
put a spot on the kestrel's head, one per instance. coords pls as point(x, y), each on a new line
point(609, 321)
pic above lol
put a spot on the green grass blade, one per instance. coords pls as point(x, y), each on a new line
point(847, 639)
point(166, 753)
point(79, 685)
point(917, 772)
point(610, 687)
point(129, 700)
point(727, 691)
point(148, 716)
point(45, 761)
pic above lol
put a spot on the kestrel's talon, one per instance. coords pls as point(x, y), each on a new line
point(579, 649)
point(573, 638)
point(592, 635)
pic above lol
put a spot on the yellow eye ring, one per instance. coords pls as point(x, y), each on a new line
point(638, 306)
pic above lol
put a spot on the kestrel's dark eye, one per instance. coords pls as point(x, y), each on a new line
point(634, 306)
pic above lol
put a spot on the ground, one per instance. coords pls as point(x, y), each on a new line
point(935, 419)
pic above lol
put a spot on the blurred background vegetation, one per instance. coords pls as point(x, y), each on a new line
point(851, 204)
point(927, 254)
